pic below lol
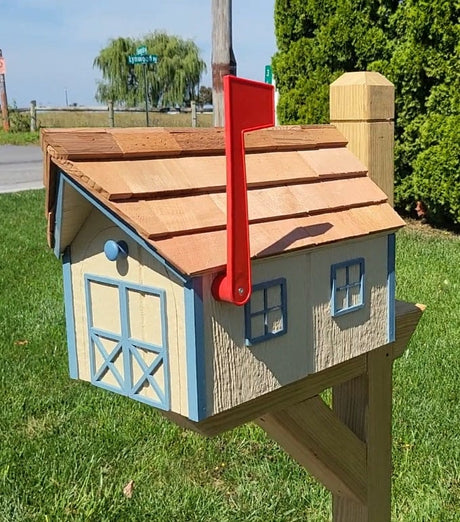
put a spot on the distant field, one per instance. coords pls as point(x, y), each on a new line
point(122, 119)
point(71, 119)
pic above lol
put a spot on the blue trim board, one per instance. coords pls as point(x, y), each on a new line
point(69, 314)
point(125, 334)
point(123, 226)
point(195, 357)
point(391, 284)
point(127, 346)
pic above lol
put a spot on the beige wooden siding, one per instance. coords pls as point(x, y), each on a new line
point(140, 268)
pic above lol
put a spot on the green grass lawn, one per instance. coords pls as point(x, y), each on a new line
point(19, 138)
point(68, 449)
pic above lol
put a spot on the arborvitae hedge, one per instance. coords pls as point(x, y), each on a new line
point(416, 45)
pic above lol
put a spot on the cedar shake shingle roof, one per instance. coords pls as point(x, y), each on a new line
point(305, 188)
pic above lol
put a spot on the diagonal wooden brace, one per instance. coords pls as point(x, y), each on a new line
point(319, 441)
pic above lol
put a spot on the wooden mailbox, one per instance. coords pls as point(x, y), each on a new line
point(138, 217)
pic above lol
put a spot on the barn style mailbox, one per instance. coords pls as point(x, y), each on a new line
point(223, 281)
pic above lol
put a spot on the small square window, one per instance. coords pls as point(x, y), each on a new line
point(347, 282)
point(266, 312)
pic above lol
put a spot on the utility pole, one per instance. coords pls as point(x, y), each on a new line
point(3, 99)
point(223, 59)
point(146, 88)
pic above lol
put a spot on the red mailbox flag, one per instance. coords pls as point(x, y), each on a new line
point(249, 106)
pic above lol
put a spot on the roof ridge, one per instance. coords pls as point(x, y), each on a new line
point(148, 143)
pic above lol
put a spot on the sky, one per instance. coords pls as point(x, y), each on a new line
point(49, 45)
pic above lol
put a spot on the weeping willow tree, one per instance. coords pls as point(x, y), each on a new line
point(173, 80)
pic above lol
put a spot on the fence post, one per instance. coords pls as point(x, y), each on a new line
point(193, 107)
point(111, 114)
point(362, 109)
point(33, 116)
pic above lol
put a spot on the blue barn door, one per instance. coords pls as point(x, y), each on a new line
point(128, 339)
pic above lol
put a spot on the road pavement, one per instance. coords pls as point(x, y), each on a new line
point(21, 168)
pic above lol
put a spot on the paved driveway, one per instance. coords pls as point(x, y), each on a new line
point(21, 168)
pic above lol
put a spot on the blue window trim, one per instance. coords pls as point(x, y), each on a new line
point(195, 352)
point(391, 284)
point(64, 178)
point(69, 314)
point(249, 314)
point(346, 265)
point(128, 346)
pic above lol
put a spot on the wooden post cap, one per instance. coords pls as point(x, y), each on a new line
point(363, 96)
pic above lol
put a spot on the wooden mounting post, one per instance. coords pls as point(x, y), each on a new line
point(348, 447)
point(223, 59)
point(362, 109)
point(364, 405)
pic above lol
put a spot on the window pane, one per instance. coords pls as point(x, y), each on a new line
point(257, 326)
point(354, 296)
point(275, 321)
point(340, 277)
point(341, 300)
point(354, 273)
point(274, 296)
point(257, 301)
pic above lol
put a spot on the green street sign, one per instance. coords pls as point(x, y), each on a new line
point(268, 74)
point(134, 59)
point(141, 51)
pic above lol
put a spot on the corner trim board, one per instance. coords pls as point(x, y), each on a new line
point(69, 314)
point(391, 287)
point(195, 356)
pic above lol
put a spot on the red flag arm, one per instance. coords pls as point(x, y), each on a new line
point(249, 106)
